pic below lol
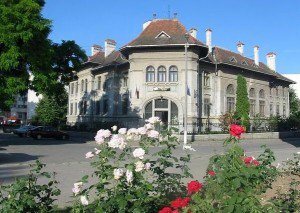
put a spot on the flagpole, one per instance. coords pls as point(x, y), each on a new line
point(185, 93)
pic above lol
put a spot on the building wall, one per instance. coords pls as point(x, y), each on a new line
point(140, 92)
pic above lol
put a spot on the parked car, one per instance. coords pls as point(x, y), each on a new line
point(48, 132)
point(23, 131)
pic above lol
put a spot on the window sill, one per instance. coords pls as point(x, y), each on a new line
point(161, 83)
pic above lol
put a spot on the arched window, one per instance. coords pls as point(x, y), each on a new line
point(252, 93)
point(173, 74)
point(252, 101)
point(230, 89)
point(148, 110)
point(262, 103)
point(161, 74)
point(261, 93)
point(150, 74)
point(230, 99)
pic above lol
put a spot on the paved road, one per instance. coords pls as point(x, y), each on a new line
point(67, 158)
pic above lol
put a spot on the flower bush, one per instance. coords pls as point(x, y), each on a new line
point(26, 195)
point(130, 178)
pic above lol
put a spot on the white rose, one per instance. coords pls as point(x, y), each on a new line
point(129, 176)
point(104, 133)
point(153, 120)
point(97, 151)
point(76, 190)
point(142, 130)
point(149, 126)
point(118, 173)
point(99, 139)
point(114, 128)
point(84, 200)
point(122, 144)
point(78, 184)
point(122, 131)
point(139, 166)
point(139, 153)
point(89, 155)
point(132, 131)
point(114, 141)
point(148, 166)
point(153, 134)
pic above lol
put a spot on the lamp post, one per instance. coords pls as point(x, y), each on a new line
point(185, 91)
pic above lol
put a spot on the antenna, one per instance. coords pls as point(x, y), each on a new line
point(169, 16)
point(175, 15)
point(154, 15)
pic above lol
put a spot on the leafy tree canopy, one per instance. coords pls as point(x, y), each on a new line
point(294, 101)
point(24, 46)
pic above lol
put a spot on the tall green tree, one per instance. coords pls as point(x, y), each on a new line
point(52, 110)
point(24, 45)
point(294, 102)
point(242, 102)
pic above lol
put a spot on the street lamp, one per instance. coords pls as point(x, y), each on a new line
point(185, 91)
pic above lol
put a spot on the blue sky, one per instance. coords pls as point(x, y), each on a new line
point(274, 25)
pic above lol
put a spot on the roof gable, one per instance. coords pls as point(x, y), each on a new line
point(163, 34)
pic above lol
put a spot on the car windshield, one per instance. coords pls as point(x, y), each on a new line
point(26, 127)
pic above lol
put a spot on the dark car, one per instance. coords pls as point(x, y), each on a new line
point(23, 131)
point(48, 132)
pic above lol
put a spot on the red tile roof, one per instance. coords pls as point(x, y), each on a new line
point(171, 27)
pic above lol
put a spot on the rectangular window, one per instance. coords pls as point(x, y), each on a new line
point(262, 108)
point(150, 77)
point(125, 82)
point(271, 109)
point(173, 76)
point(97, 107)
point(72, 88)
point(124, 105)
point(161, 103)
point(76, 87)
point(283, 110)
point(71, 109)
point(230, 104)
point(252, 107)
point(99, 83)
point(206, 107)
point(105, 106)
point(84, 107)
point(75, 110)
point(161, 76)
point(277, 109)
point(206, 80)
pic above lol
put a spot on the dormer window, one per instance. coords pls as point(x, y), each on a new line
point(245, 63)
point(232, 59)
point(163, 34)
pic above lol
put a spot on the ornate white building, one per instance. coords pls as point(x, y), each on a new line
point(146, 78)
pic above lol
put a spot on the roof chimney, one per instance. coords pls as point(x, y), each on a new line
point(95, 49)
point(271, 61)
point(256, 55)
point(240, 47)
point(193, 32)
point(208, 39)
point(110, 46)
point(146, 24)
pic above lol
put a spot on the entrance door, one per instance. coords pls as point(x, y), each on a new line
point(163, 115)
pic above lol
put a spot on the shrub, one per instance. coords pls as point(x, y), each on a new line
point(242, 103)
point(130, 178)
point(26, 195)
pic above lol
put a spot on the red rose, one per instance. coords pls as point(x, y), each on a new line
point(180, 202)
point(194, 186)
point(236, 130)
point(248, 160)
point(165, 210)
point(211, 173)
point(256, 162)
point(175, 211)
